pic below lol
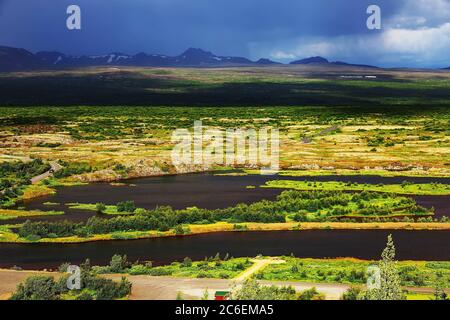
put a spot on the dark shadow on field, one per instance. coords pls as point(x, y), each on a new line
point(127, 88)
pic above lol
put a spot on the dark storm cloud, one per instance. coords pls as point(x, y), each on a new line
point(228, 27)
point(2, 2)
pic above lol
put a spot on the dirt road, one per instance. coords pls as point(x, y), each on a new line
point(54, 168)
point(167, 288)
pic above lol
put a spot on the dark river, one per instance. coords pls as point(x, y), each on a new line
point(410, 245)
point(202, 190)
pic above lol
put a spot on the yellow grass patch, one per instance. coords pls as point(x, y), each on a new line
point(21, 213)
point(35, 191)
point(228, 227)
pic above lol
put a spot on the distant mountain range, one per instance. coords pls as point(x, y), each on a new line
point(14, 59)
point(20, 59)
point(323, 61)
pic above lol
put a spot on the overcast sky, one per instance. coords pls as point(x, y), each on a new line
point(414, 33)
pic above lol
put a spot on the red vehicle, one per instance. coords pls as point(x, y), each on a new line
point(221, 295)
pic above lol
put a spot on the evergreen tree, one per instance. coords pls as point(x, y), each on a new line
point(389, 287)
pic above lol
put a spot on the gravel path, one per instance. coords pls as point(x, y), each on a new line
point(54, 168)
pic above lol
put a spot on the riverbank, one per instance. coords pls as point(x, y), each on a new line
point(10, 237)
point(6, 214)
point(425, 189)
point(381, 172)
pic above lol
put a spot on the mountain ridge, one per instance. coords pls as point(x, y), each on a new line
point(15, 59)
point(311, 60)
point(322, 61)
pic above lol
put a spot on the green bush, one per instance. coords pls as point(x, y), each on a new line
point(187, 262)
point(73, 168)
point(37, 288)
point(126, 206)
point(100, 207)
point(92, 286)
point(311, 294)
point(352, 293)
point(118, 263)
point(85, 296)
point(252, 290)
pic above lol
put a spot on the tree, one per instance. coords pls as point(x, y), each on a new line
point(311, 294)
point(86, 265)
point(179, 230)
point(352, 293)
point(85, 296)
point(118, 263)
point(252, 290)
point(37, 288)
point(439, 292)
point(63, 267)
point(126, 206)
point(187, 262)
point(46, 288)
point(100, 207)
point(389, 286)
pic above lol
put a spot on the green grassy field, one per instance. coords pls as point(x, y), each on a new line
point(352, 271)
point(109, 209)
point(212, 267)
point(112, 124)
point(284, 86)
point(109, 143)
point(343, 270)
